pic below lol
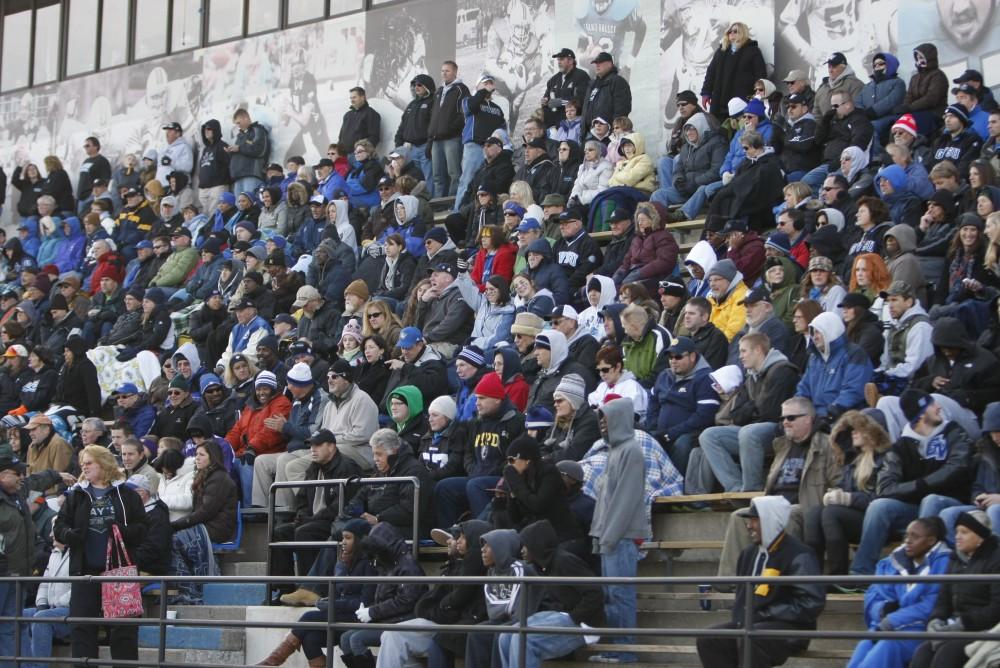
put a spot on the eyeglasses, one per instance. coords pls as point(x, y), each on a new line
point(732, 31)
point(678, 356)
point(758, 90)
point(791, 418)
point(603, 369)
point(373, 315)
point(175, 393)
point(333, 374)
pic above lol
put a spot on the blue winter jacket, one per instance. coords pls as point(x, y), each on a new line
point(883, 94)
point(837, 381)
point(69, 254)
point(685, 405)
point(548, 275)
point(903, 200)
point(916, 601)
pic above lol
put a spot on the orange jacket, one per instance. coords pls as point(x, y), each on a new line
point(249, 430)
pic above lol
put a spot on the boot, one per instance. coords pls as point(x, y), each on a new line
point(349, 661)
point(302, 598)
point(872, 395)
point(366, 660)
point(318, 661)
point(288, 646)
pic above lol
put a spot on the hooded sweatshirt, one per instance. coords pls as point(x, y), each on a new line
point(619, 513)
point(928, 89)
point(503, 599)
point(835, 375)
point(213, 165)
point(590, 321)
point(885, 91)
point(905, 266)
point(703, 255)
point(411, 228)
point(412, 428)
point(699, 162)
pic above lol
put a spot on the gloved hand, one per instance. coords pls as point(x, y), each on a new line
point(165, 160)
point(837, 497)
point(248, 457)
point(936, 625)
point(726, 178)
point(362, 614)
point(885, 625)
point(462, 261)
point(128, 353)
point(373, 249)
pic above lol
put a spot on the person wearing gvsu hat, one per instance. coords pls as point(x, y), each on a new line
point(928, 470)
point(958, 142)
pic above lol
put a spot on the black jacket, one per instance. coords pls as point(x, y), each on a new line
point(607, 97)
point(800, 152)
point(584, 603)
point(459, 604)
point(362, 123)
point(153, 554)
point(416, 118)
point(97, 167)
point(974, 377)
point(496, 176)
point(543, 177)
point(393, 502)
point(908, 476)
point(835, 134)
point(444, 456)
point(73, 522)
point(754, 190)
point(338, 467)
point(447, 119)
point(77, 384)
point(577, 258)
point(760, 397)
point(392, 556)
point(868, 335)
point(489, 438)
point(712, 345)
point(732, 75)
point(213, 164)
point(977, 604)
point(214, 506)
point(562, 87)
point(961, 150)
point(173, 420)
point(402, 277)
point(538, 494)
point(614, 253)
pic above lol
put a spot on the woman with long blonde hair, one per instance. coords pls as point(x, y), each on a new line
point(379, 319)
point(58, 185)
point(736, 66)
point(858, 444)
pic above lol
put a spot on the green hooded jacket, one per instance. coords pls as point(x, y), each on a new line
point(414, 400)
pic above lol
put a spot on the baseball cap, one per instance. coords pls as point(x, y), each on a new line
point(672, 288)
point(322, 436)
point(409, 337)
point(318, 198)
point(12, 462)
point(133, 192)
point(39, 420)
point(796, 75)
point(795, 98)
point(571, 470)
point(756, 296)
point(968, 75)
point(173, 126)
point(140, 481)
point(299, 348)
point(603, 57)
point(681, 345)
point(306, 294)
point(537, 142)
point(325, 162)
point(836, 58)
point(491, 140)
point(529, 224)
point(565, 53)
point(734, 225)
point(913, 403)
point(386, 182)
point(447, 268)
point(16, 350)
point(564, 311)
point(966, 88)
point(573, 213)
point(246, 303)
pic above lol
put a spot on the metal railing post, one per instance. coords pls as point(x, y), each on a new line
point(747, 624)
point(161, 643)
point(270, 536)
point(18, 611)
point(416, 518)
point(522, 636)
point(331, 619)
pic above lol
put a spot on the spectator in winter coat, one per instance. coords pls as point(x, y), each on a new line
point(250, 436)
point(755, 187)
point(883, 94)
point(594, 173)
point(727, 291)
point(903, 607)
point(482, 117)
point(836, 371)
point(414, 126)
point(801, 151)
point(652, 255)
point(840, 79)
point(635, 168)
point(958, 142)
point(697, 164)
point(576, 253)
point(545, 274)
point(893, 186)
point(927, 92)
point(737, 64)
point(213, 167)
point(609, 95)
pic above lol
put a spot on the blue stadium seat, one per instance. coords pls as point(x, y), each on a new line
point(234, 544)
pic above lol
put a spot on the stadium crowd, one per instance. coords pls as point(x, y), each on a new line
point(184, 330)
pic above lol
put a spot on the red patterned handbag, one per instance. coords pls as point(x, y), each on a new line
point(120, 599)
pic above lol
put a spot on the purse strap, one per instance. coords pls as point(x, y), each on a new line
point(121, 552)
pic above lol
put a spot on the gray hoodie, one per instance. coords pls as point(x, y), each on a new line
point(620, 510)
point(502, 599)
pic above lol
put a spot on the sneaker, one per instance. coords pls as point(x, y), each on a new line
point(300, 598)
point(677, 216)
point(872, 395)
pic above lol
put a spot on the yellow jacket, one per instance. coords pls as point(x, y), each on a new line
point(637, 172)
point(730, 315)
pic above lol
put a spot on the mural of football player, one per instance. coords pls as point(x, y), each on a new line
point(966, 33)
point(302, 108)
point(165, 101)
point(610, 25)
point(517, 54)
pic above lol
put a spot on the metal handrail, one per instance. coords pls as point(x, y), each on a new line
point(342, 483)
point(747, 632)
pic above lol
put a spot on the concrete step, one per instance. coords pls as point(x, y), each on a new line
point(688, 598)
point(219, 612)
point(191, 637)
point(232, 564)
point(193, 657)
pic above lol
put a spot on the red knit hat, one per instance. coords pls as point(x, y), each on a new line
point(491, 386)
point(906, 122)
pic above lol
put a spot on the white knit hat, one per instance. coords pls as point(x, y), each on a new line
point(445, 406)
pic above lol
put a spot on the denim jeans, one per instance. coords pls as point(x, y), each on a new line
point(539, 646)
point(449, 500)
point(418, 154)
point(667, 195)
point(886, 518)
point(9, 607)
point(477, 494)
point(247, 184)
point(950, 515)
point(446, 158)
point(665, 170)
point(357, 641)
point(736, 454)
point(246, 482)
point(191, 554)
point(814, 178)
point(700, 197)
point(41, 633)
point(472, 160)
point(620, 601)
point(679, 450)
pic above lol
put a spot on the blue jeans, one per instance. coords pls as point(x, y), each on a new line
point(665, 170)
point(667, 195)
point(698, 200)
point(620, 602)
point(9, 607)
point(357, 641)
point(191, 554)
point(418, 154)
point(736, 454)
point(950, 515)
point(886, 518)
point(41, 633)
point(477, 494)
point(246, 482)
point(540, 646)
point(680, 450)
point(446, 158)
point(247, 184)
point(814, 178)
point(449, 500)
point(472, 160)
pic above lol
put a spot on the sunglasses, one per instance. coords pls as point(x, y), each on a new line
point(732, 31)
point(791, 418)
point(678, 357)
point(603, 369)
point(175, 393)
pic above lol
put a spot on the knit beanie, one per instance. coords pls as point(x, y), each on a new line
point(359, 528)
point(724, 268)
point(975, 521)
point(572, 389)
point(266, 378)
point(473, 355)
point(352, 330)
point(180, 383)
point(443, 405)
point(358, 288)
point(491, 386)
point(906, 122)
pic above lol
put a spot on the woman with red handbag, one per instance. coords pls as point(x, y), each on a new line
point(94, 507)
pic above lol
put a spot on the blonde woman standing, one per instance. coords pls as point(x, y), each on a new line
point(737, 64)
